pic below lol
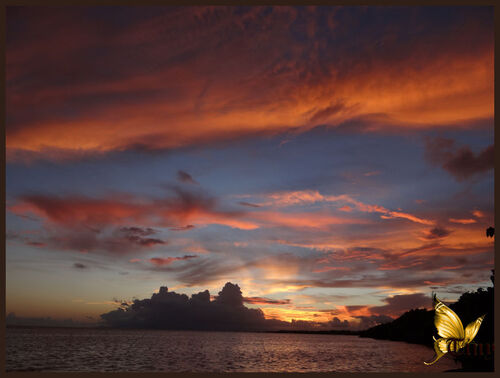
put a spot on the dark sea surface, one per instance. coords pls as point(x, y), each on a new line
point(73, 349)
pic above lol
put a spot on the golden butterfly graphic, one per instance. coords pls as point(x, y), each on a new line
point(450, 328)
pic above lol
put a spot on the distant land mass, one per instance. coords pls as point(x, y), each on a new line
point(417, 325)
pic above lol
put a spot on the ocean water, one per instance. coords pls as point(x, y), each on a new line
point(73, 349)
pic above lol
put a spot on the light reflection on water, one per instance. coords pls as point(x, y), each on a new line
point(51, 349)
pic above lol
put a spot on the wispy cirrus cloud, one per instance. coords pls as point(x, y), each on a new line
point(290, 77)
point(308, 197)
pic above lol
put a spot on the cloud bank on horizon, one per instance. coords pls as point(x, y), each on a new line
point(227, 312)
point(335, 162)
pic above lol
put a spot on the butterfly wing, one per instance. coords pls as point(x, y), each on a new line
point(440, 349)
point(447, 323)
point(472, 328)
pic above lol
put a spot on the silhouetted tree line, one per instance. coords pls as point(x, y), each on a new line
point(417, 326)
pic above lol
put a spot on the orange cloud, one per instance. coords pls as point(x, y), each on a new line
point(345, 208)
point(305, 197)
point(319, 220)
point(462, 221)
point(427, 83)
point(289, 314)
point(478, 214)
point(265, 301)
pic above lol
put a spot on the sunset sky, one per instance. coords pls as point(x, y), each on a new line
point(334, 162)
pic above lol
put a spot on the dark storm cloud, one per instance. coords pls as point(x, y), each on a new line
point(185, 177)
point(224, 312)
point(460, 162)
point(465, 163)
point(437, 233)
point(169, 310)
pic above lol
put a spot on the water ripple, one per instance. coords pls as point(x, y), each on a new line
point(50, 349)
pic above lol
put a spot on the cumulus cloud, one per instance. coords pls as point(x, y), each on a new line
point(169, 310)
point(227, 311)
point(460, 162)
